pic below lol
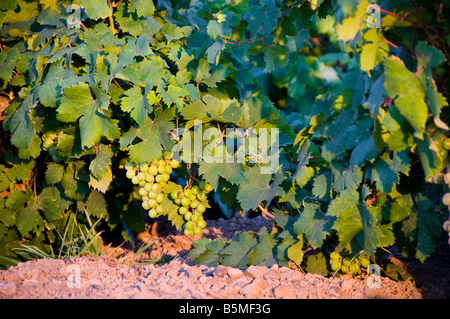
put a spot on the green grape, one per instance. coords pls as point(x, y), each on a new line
point(152, 213)
point(159, 178)
point(188, 232)
point(174, 195)
point(195, 190)
point(443, 153)
point(195, 217)
point(166, 177)
point(201, 208)
point(197, 231)
point(152, 194)
point(354, 268)
point(188, 216)
point(130, 174)
point(182, 210)
point(156, 188)
point(185, 202)
point(190, 225)
point(128, 166)
point(152, 203)
point(365, 262)
point(335, 255)
point(135, 180)
point(187, 193)
point(431, 128)
point(159, 198)
point(168, 156)
point(208, 188)
point(142, 192)
point(446, 226)
point(335, 266)
point(177, 201)
point(194, 204)
point(142, 183)
point(159, 209)
point(201, 223)
point(149, 178)
point(145, 198)
point(344, 268)
point(193, 197)
point(174, 164)
point(346, 261)
point(162, 169)
point(202, 185)
point(143, 167)
point(169, 169)
point(141, 176)
point(153, 170)
point(145, 206)
point(446, 199)
point(446, 143)
point(148, 187)
point(447, 178)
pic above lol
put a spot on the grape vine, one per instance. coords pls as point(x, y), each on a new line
point(354, 117)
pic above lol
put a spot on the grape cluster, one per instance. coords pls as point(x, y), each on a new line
point(191, 204)
point(446, 227)
point(151, 177)
point(345, 264)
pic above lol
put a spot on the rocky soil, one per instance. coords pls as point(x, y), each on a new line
point(119, 275)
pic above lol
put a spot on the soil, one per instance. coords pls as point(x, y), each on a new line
point(120, 275)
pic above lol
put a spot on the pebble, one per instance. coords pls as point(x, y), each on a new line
point(284, 292)
point(234, 272)
point(7, 289)
point(254, 288)
point(256, 271)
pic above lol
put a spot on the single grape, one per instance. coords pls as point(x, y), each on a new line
point(142, 183)
point(152, 213)
point(201, 208)
point(201, 223)
point(141, 176)
point(447, 178)
point(190, 225)
point(156, 188)
point(185, 202)
point(159, 178)
point(159, 209)
point(182, 210)
point(365, 262)
point(443, 153)
point(195, 189)
point(128, 166)
point(188, 232)
point(346, 261)
point(336, 266)
point(335, 255)
point(149, 178)
point(142, 192)
point(202, 185)
point(148, 187)
point(208, 188)
point(145, 198)
point(153, 170)
point(446, 226)
point(169, 169)
point(431, 128)
point(159, 198)
point(143, 167)
point(446, 199)
point(174, 164)
point(344, 268)
point(188, 216)
point(145, 206)
point(446, 143)
point(187, 193)
point(152, 194)
point(168, 156)
point(166, 177)
point(197, 231)
point(195, 217)
point(130, 174)
point(174, 195)
point(152, 203)
point(177, 201)
point(354, 268)
point(194, 204)
point(135, 180)
point(162, 169)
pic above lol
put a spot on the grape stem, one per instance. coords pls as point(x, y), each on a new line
point(266, 214)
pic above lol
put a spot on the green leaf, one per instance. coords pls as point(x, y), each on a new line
point(428, 56)
point(303, 173)
point(99, 165)
point(95, 9)
point(28, 219)
point(350, 26)
point(314, 224)
point(78, 102)
point(212, 171)
point(144, 8)
point(96, 204)
point(211, 257)
point(136, 104)
point(54, 173)
point(408, 91)
point(275, 55)
point(316, 264)
point(374, 51)
point(257, 188)
point(103, 182)
point(237, 251)
point(264, 253)
point(385, 171)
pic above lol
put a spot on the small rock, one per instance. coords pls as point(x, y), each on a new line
point(220, 271)
point(346, 284)
point(8, 289)
point(292, 275)
point(194, 272)
point(284, 292)
point(254, 288)
point(234, 272)
point(256, 271)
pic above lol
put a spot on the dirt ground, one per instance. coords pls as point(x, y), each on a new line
point(118, 275)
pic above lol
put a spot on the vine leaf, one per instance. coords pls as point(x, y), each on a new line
point(237, 251)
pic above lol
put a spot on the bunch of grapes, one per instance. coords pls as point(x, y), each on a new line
point(191, 204)
point(345, 264)
point(151, 177)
